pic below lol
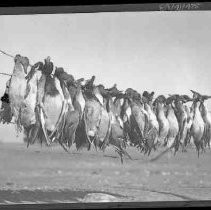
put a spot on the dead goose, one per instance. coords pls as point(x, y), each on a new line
point(147, 99)
point(207, 120)
point(182, 117)
point(110, 130)
point(71, 116)
point(126, 116)
point(29, 116)
point(138, 120)
point(117, 97)
point(51, 104)
point(173, 123)
point(205, 115)
point(104, 129)
point(92, 110)
point(79, 103)
point(117, 136)
point(198, 126)
point(17, 87)
point(173, 132)
point(101, 140)
point(189, 113)
point(107, 116)
point(159, 104)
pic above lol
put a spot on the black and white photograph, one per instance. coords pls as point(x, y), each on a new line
point(101, 107)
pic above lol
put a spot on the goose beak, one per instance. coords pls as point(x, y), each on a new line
point(189, 100)
point(25, 69)
point(80, 80)
point(193, 91)
point(204, 97)
point(186, 98)
point(196, 93)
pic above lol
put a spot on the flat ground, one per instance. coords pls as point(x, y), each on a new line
point(47, 175)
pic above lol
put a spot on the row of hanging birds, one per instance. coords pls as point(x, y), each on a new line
point(50, 105)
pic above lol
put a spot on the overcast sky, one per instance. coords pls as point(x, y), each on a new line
point(165, 52)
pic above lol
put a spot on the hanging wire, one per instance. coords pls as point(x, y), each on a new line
point(6, 54)
point(9, 56)
point(6, 74)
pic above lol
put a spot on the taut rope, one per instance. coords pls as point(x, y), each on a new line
point(9, 56)
point(6, 74)
point(6, 54)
